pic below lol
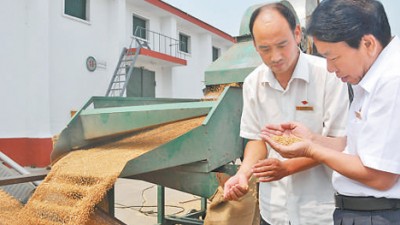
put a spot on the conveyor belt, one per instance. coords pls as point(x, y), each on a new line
point(79, 181)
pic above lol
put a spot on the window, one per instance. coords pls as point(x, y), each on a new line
point(184, 43)
point(139, 27)
point(77, 8)
point(215, 53)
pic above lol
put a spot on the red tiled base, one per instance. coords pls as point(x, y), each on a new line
point(28, 151)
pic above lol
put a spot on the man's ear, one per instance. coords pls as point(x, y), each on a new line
point(371, 45)
point(297, 34)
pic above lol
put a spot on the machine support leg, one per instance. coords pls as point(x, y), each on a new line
point(111, 201)
point(203, 206)
point(160, 205)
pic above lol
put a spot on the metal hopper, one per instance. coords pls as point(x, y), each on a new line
point(184, 163)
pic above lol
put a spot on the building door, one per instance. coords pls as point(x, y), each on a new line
point(141, 84)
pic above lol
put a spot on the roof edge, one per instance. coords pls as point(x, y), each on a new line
point(167, 7)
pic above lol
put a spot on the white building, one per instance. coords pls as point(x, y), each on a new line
point(44, 50)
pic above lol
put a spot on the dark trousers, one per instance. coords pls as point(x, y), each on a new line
point(263, 222)
point(379, 217)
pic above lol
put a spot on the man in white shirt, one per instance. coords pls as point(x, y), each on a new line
point(355, 39)
point(290, 85)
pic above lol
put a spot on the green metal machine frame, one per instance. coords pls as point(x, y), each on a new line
point(187, 163)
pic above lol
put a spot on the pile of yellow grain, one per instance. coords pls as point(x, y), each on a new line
point(9, 208)
point(214, 91)
point(286, 140)
point(80, 180)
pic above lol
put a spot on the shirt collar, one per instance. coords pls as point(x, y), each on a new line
point(300, 71)
point(371, 78)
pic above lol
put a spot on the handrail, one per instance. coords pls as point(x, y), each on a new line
point(24, 178)
point(157, 42)
point(24, 172)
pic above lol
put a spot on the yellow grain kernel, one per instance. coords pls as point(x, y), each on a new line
point(285, 140)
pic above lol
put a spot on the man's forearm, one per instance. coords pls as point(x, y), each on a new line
point(336, 143)
point(296, 165)
point(254, 151)
point(357, 171)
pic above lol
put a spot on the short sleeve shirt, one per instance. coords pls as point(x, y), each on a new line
point(373, 130)
point(315, 98)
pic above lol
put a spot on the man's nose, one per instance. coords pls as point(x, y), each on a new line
point(276, 55)
point(331, 67)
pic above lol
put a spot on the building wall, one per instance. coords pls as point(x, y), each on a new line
point(24, 75)
point(24, 69)
point(189, 81)
point(71, 42)
point(43, 66)
point(168, 26)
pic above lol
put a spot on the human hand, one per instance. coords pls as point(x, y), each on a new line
point(303, 136)
point(270, 169)
point(300, 148)
point(236, 187)
point(287, 129)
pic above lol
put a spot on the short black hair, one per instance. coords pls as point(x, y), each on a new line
point(349, 20)
point(279, 7)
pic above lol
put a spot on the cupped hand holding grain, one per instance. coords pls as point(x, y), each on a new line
point(290, 140)
point(289, 147)
point(287, 129)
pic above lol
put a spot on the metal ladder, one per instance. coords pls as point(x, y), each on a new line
point(121, 76)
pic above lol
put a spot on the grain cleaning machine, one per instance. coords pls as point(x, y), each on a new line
point(188, 162)
point(184, 163)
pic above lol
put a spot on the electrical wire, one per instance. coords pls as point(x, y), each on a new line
point(152, 212)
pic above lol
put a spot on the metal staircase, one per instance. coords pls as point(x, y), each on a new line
point(124, 69)
point(159, 43)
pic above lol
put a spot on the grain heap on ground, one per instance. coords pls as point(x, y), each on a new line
point(9, 206)
point(285, 140)
point(80, 180)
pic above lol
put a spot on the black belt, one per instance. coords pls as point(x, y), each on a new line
point(365, 203)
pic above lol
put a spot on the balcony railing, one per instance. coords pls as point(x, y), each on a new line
point(157, 42)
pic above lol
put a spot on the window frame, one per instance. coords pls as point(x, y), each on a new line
point(87, 13)
point(146, 22)
point(187, 43)
point(218, 53)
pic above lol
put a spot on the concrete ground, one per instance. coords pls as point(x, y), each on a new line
point(136, 202)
